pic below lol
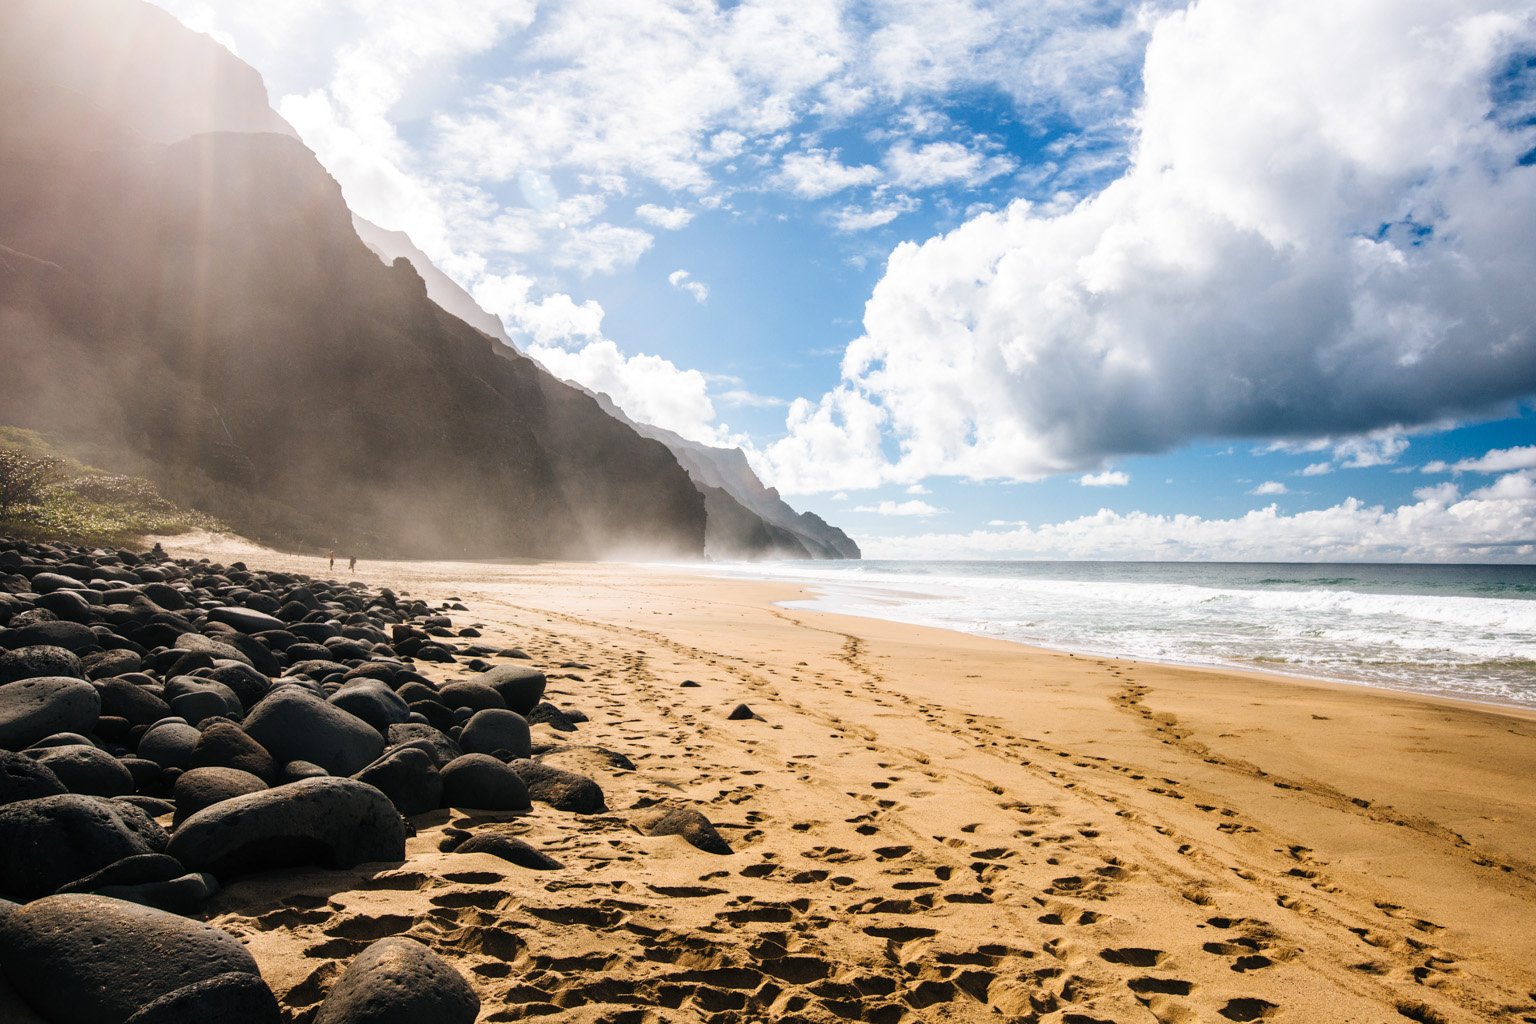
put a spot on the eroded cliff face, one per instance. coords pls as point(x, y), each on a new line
point(745, 519)
point(203, 302)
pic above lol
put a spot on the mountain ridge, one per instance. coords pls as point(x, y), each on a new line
point(208, 306)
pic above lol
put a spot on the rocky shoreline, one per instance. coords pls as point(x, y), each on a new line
point(168, 726)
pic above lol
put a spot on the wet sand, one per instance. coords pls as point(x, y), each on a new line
point(930, 826)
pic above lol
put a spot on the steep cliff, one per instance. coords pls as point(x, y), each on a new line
point(745, 518)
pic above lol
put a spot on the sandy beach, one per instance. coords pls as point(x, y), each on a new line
point(929, 826)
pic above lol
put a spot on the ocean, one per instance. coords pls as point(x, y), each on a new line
point(1457, 630)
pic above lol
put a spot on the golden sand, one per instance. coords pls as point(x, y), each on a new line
point(930, 826)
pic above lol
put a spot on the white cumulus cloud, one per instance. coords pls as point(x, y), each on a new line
point(1108, 478)
point(668, 218)
point(1324, 230)
point(901, 508)
point(944, 163)
point(648, 388)
point(683, 281)
point(1492, 524)
point(1271, 487)
point(816, 173)
point(1497, 460)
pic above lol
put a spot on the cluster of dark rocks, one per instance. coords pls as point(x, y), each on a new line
point(277, 720)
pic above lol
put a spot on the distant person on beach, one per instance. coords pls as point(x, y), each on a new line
point(352, 563)
point(331, 554)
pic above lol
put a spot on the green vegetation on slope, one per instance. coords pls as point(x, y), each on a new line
point(46, 494)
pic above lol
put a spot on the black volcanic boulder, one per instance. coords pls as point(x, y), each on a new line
point(481, 782)
point(247, 684)
point(34, 708)
point(295, 725)
point(409, 777)
point(437, 743)
point(196, 643)
point(73, 636)
point(372, 701)
point(472, 695)
point(692, 826)
point(399, 981)
point(39, 660)
point(204, 787)
point(297, 771)
point(496, 729)
point(149, 879)
point(508, 848)
point(53, 840)
point(51, 582)
point(169, 743)
point(87, 769)
point(226, 745)
point(86, 959)
point(105, 664)
point(333, 823)
point(522, 688)
point(196, 699)
point(563, 790)
point(135, 870)
point(125, 698)
point(22, 778)
point(246, 620)
point(233, 998)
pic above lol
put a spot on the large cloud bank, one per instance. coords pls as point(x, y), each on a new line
point(1495, 523)
point(1325, 229)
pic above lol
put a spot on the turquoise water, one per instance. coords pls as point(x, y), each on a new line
point(1461, 630)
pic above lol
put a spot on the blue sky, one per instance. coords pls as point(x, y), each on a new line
point(1229, 279)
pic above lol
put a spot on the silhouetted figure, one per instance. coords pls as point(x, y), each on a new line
point(352, 563)
point(331, 554)
point(157, 552)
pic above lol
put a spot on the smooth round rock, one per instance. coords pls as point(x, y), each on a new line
point(409, 777)
point(373, 702)
point(439, 745)
point(87, 770)
point(196, 643)
point(334, 823)
point(51, 841)
point(473, 695)
point(481, 782)
point(246, 620)
point(88, 959)
point(510, 849)
point(522, 688)
point(204, 787)
point(399, 981)
point(297, 771)
point(295, 725)
point(228, 999)
point(135, 870)
point(692, 826)
point(73, 636)
point(127, 699)
point(561, 789)
point(169, 744)
point(226, 745)
point(195, 699)
point(106, 664)
point(247, 684)
point(34, 708)
point(39, 660)
point(24, 778)
point(496, 729)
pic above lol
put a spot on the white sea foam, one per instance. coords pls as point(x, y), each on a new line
point(1468, 631)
